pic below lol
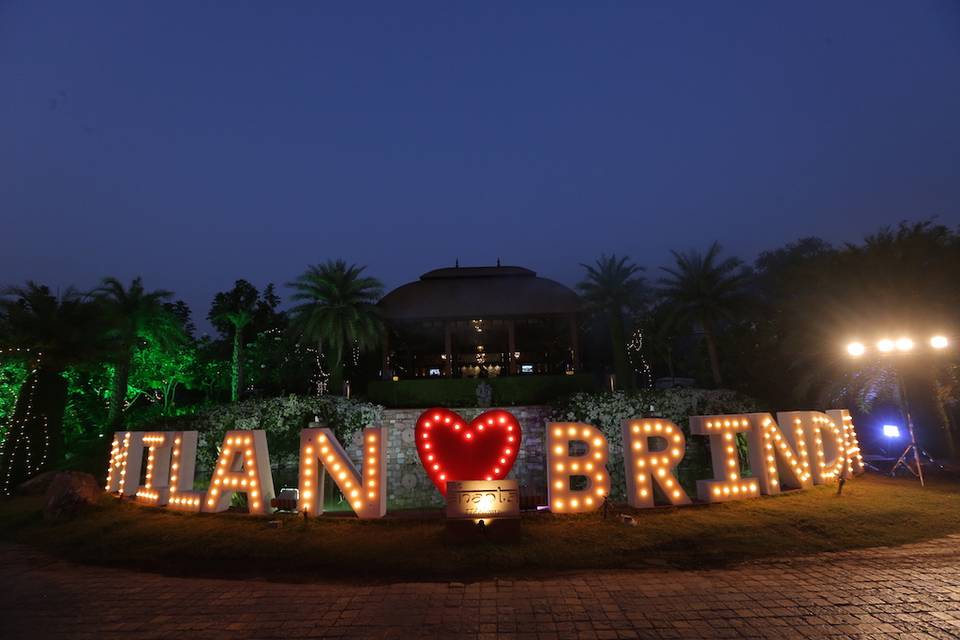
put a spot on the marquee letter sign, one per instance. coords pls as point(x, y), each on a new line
point(366, 492)
point(243, 467)
point(797, 450)
point(651, 450)
point(452, 449)
point(589, 468)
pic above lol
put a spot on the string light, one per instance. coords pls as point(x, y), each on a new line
point(21, 433)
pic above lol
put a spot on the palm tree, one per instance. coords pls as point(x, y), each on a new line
point(133, 315)
point(611, 288)
point(705, 289)
point(338, 311)
point(235, 309)
point(52, 333)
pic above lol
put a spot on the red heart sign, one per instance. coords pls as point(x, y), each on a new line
point(451, 449)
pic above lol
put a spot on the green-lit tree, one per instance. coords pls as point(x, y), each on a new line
point(158, 372)
point(52, 333)
point(338, 312)
point(133, 316)
point(612, 288)
point(705, 289)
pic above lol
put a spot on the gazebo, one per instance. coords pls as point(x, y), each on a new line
point(480, 322)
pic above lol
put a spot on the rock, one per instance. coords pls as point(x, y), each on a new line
point(70, 491)
point(37, 485)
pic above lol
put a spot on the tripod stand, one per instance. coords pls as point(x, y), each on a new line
point(903, 461)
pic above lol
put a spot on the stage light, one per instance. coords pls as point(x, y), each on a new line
point(891, 431)
point(904, 344)
point(939, 342)
point(856, 349)
point(886, 345)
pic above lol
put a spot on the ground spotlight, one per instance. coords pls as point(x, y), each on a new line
point(891, 431)
point(904, 344)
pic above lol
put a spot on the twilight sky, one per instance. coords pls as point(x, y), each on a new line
point(195, 144)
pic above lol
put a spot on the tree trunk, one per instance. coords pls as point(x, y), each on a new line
point(336, 372)
point(712, 352)
point(121, 376)
point(34, 440)
point(236, 367)
point(621, 362)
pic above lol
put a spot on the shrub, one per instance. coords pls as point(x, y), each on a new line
point(282, 418)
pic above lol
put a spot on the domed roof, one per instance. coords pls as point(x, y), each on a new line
point(478, 292)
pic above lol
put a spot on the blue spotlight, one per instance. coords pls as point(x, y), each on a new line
point(891, 430)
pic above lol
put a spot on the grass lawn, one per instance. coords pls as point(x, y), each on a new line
point(873, 511)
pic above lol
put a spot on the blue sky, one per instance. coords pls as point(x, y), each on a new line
point(195, 143)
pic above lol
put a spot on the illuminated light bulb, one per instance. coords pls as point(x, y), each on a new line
point(574, 503)
point(886, 345)
point(371, 495)
point(558, 432)
point(558, 484)
point(939, 342)
point(716, 491)
point(637, 445)
point(588, 500)
point(856, 349)
point(904, 344)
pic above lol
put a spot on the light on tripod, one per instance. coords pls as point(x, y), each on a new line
point(891, 431)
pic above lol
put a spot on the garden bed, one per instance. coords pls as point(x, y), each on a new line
point(873, 511)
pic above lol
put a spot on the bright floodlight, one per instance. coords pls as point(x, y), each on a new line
point(904, 344)
point(885, 345)
point(856, 349)
point(891, 431)
point(939, 342)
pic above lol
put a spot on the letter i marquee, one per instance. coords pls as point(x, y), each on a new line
point(366, 491)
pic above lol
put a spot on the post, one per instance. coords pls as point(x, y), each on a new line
point(385, 365)
point(906, 411)
point(511, 347)
point(574, 342)
point(447, 350)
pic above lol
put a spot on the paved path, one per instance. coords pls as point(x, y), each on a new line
point(911, 591)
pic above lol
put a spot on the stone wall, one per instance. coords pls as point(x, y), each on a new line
point(409, 486)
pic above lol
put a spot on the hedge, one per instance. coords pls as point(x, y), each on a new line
point(462, 392)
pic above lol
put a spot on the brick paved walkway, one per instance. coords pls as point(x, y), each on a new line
point(911, 591)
